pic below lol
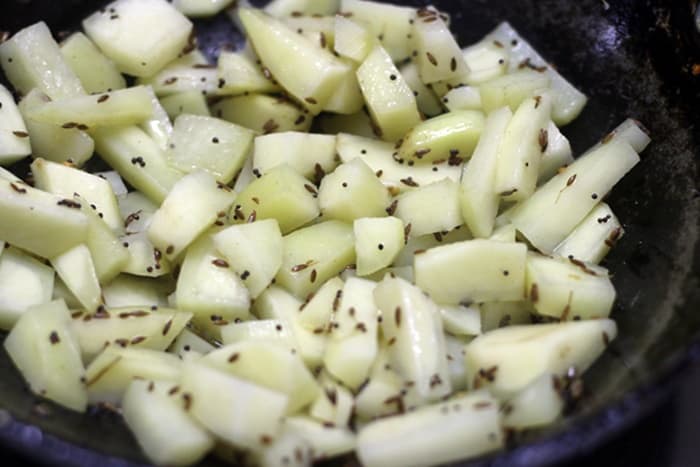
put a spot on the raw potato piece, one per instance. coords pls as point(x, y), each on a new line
point(281, 8)
point(157, 419)
point(14, 139)
point(312, 155)
point(378, 241)
point(412, 328)
point(270, 366)
point(239, 412)
point(428, 102)
point(126, 31)
point(120, 107)
point(509, 359)
point(462, 98)
point(66, 181)
point(461, 320)
point(288, 449)
point(27, 214)
point(239, 74)
point(254, 252)
point(53, 142)
point(190, 344)
point(352, 342)
point(521, 149)
point(496, 315)
point(42, 347)
point(191, 207)
point(334, 404)
point(463, 426)
point(137, 158)
point(538, 404)
point(306, 71)
point(315, 314)
point(31, 59)
point(439, 56)
point(591, 240)
point(24, 282)
point(557, 154)
point(326, 441)
point(391, 102)
point(208, 287)
point(478, 198)
point(568, 289)
point(263, 114)
point(76, 269)
point(110, 374)
point(417, 208)
point(450, 137)
point(96, 72)
point(271, 331)
point(352, 191)
point(132, 327)
point(144, 260)
point(127, 290)
point(314, 254)
point(511, 89)
point(201, 8)
point(394, 175)
point(554, 210)
point(473, 270)
point(353, 39)
point(281, 194)
point(209, 144)
point(187, 102)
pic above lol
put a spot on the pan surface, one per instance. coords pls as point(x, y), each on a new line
point(632, 58)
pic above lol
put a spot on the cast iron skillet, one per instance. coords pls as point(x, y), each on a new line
point(633, 58)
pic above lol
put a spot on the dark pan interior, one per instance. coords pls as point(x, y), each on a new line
point(633, 58)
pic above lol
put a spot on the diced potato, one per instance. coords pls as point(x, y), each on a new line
point(96, 72)
point(315, 314)
point(554, 210)
point(455, 360)
point(212, 290)
point(288, 449)
point(314, 254)
point(521, 149)
point(568, 101)
point(282, 194)
point(389, 99)
point(317, 28)
point(140, 36)
point(473, 270)
point(347, 98)
point(306, 71)
point(569, 288)
point(14, 138)
point(496, 315)
point(127, 290)
point(144, 259)
point(486, 60)
point(134, 154)
point(187, 102)
point(24, 282)
point(334, 404)
point(254, 252)
point(280, 8)
point(157, 418)
point(76, 269)
point(272, 331)
point(27, 214)
point(378, 240)
point(390, 23)
point(358, 124)
point(132, 327)
point(511, 89)
point(240, 74)
point(352, 344)
point(182, 75)
point(509, 359)
point(209, 144)
point(417, 208)
point(450, 137)
point(137, 211)
point(115, 182)
point(158, 125)
point(353, 39)
point(412, 328)
point(462, 98)
point(418, 245)
point(63, 180)
point(312, 155)
point(352, 191)
point(201, 8)
point(556, 155)
point(242, 413)
point(109, 375)
point(53, 142)
point(479, 200)
point(43, 348)
point(263, 114)
point(593, 237)
point(631, 131)
point(395, 175)
point(193, 205)
point(61, 292)
point(464, 426)
point(32, 59)
point(385, 392)
point(325, 441)
point(538, 404)
point(439, 56)
point(283, 372)
point(427, 101)
point(188, 343)
point(461, 320)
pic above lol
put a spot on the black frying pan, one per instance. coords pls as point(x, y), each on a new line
point(633, 58)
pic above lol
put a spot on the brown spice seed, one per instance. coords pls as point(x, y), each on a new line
point(167, 326)
point(21, 134)
point(234, 357)
point(53, 338)
point(220, 263)
point(18, 189)
point(453, 64)
point(431, 59)
point(534, 293)
point(543, 139)
point(103, 98)
point(137, 340)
